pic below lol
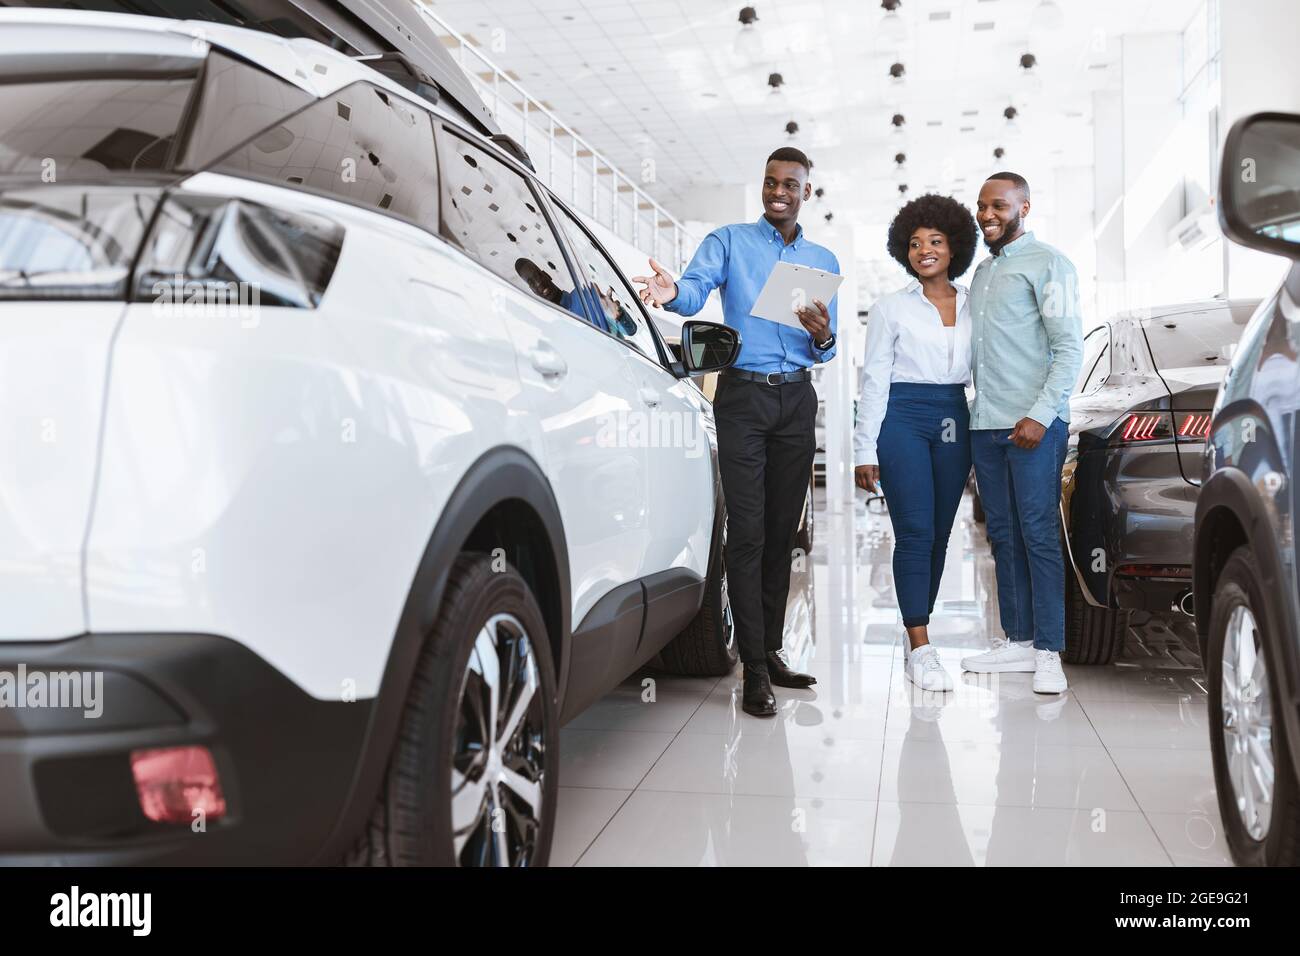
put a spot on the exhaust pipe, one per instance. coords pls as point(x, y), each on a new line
point(1186, 604)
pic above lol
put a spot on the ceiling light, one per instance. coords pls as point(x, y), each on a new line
point(898, 121)
point(892, 28)
point(791, 128)
point(999, 152)
point(1030, 80)
point(819, 192)
point(897, 73)
point(829, 216)
point(902, 189)
point(775, 81)
point(1046, 17)
point(1012, 127)
point(749, 44)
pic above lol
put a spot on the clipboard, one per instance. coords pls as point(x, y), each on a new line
point(788, 283)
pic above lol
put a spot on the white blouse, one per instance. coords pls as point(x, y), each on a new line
point(907, 342)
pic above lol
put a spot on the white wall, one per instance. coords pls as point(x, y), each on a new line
point(1260, 71)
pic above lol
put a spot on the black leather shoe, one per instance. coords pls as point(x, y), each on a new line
point(782, 676)
point(757, 698)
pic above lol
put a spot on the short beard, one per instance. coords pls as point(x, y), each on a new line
point(1009, 230)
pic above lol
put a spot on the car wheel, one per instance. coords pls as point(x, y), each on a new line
point(473, 777)
point(707, 647)
point(1259, 801)
point(1093, 635)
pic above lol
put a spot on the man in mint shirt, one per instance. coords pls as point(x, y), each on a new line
point(1026, 349)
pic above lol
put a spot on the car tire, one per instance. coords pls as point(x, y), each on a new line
point(489, 629)
point(1238, 610)
point(1093, 635)
point(707, 647)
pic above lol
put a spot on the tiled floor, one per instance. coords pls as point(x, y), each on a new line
point(864, 769)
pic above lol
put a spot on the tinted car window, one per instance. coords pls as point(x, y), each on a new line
point(362, 144)
point(489, 211)
point(61, 122)
point(233, 102)
point(619, 313)
point(1192, 339)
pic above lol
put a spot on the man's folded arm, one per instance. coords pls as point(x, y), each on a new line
point(707, 271)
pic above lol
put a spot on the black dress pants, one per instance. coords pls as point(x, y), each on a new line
point(766, 443)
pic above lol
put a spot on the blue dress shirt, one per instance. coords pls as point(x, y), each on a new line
point(736, 260)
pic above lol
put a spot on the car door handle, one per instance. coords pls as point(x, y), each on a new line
point(547, 361)
point(650, 397)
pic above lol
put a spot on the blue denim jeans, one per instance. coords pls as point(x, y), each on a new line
point(1021, 491)
point(924, 450)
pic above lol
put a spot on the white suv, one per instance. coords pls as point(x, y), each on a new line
point(339, 465)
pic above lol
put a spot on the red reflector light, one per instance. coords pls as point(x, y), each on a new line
point(1144, 427)
point(178, 784)
point(1195, 425)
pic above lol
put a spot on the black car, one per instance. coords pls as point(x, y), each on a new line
point(1139, 417)
point(1244, 558)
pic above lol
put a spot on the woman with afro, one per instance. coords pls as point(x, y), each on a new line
point(911, 437)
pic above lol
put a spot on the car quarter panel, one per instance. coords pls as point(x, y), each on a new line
point(322, 443)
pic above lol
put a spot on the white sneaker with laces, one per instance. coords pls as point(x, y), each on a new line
point(924, 669)
point(1011, 657)
point(1049, 678)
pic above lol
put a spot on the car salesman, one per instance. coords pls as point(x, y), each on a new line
point(765, 408)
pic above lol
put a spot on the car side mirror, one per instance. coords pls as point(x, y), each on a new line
point(707, 347)
point(1259, 183)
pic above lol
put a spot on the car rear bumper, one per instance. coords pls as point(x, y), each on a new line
point(287, 762)
point(1132, 510)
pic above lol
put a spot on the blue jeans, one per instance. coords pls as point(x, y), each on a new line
point(1021, 491)
point(924, 450)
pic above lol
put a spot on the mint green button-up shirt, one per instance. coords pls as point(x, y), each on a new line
point(1026, 335)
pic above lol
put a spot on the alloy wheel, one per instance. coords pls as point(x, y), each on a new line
point(1248, 722)
point(499, 753)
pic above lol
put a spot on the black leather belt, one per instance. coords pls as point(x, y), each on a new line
point(769, 378)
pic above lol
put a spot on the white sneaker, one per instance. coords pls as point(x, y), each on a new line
point(925, 671)
point(1012, 656)
point(1048, 676)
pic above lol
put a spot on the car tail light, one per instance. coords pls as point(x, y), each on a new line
point(176, 783)
point(1145, 426)
point(1194, 425)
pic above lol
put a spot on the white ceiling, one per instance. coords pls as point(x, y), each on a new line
point(663, 79)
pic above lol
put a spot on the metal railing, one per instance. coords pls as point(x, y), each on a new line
point(570, 165)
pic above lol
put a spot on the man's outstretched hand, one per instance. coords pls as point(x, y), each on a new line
point(660, 288)
point(1027, 433)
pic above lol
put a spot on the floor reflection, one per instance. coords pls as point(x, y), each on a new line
point(864, 769)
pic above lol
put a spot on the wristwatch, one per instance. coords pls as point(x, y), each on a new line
point(823, 346)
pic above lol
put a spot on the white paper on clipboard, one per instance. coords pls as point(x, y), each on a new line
point(788, 284)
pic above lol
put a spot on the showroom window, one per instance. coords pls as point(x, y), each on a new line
point(362, 144)
point(617, 301)
point(490, 212)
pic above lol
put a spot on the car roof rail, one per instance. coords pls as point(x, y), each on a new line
point(404, 73)
point(511, 146)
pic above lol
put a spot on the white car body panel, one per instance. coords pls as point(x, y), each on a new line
point(53, 360)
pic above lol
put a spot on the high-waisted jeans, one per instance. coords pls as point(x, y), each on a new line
point(924, 451)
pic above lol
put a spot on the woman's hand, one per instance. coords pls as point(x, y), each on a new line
point(867, 477)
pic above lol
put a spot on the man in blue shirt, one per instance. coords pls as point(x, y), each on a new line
point(1026, 349)
point(765, 408)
